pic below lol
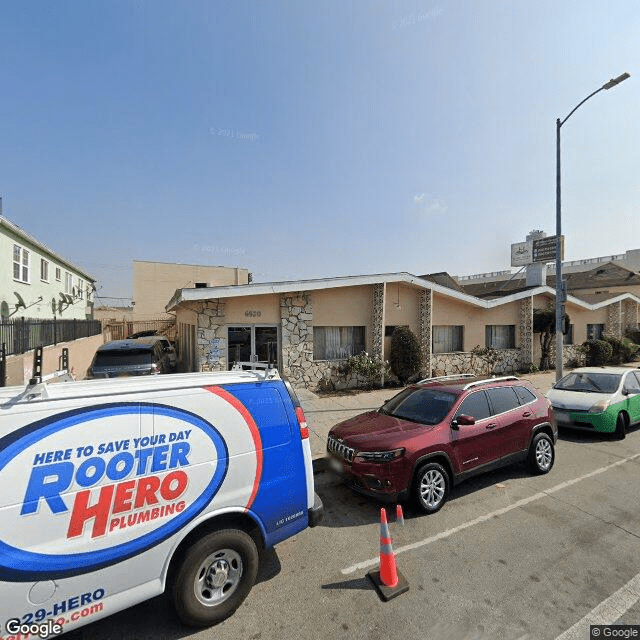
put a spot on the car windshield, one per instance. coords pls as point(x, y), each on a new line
point(426, 406)
point(590, 382)
point(122, 358)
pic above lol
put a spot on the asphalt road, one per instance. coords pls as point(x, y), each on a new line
point(510, 556)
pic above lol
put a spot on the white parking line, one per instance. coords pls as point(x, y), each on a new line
point(607, 612)
point(445, 534)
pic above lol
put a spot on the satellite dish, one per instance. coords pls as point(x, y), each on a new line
point(53, 306)
point(4, 309)
point(20, 304)
point(69, 299)
point(60, 303)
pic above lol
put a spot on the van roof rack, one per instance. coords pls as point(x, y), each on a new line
point(478, 382)
point(269, 370)
point(456, 376)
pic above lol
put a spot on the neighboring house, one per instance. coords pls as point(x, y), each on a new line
point(309, 326)
point(155, 282)
point(36, 282)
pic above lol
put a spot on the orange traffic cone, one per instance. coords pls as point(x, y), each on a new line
point(388, 581)
point(399, 515)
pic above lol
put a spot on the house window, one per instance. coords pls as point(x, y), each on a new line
point(567, 338)
point(595, 331)
point(58, 274)
point(44, 270)
point(21, 264)
point(337, 343)
point(80, 290)
point(68, 282)
point(447, 338)
point(500, 336)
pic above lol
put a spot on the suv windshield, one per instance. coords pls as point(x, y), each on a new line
point(122, 358)
point(426, 406)
point(591, 382)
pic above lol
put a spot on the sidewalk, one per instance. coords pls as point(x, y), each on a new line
point(323, 412)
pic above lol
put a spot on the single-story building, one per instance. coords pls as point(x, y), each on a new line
point(309, 326)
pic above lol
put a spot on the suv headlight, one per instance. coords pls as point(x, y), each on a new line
point(379, 456)
point(600, 406)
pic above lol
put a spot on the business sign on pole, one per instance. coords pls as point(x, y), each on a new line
point(544, 249)
point(521, 254)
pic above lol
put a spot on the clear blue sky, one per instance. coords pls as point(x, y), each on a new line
point(314, 139)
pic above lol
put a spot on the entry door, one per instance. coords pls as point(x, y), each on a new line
point(253, 343)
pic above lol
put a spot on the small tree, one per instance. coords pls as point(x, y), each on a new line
point(406, 355)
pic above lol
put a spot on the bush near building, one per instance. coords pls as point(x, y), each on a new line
point(405, 357)
point(609, 350)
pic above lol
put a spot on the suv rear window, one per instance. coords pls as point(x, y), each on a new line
point(524, 395)
point(122, 358)
point(503, 399)
point(426, 406)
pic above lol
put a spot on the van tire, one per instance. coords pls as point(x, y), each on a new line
point(214, 577)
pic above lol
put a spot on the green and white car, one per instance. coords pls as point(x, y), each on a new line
point(605, 399)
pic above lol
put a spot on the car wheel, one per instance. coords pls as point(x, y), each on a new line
point(621, 426)
point(214, 577)
point(541, 454)
point(431, 487)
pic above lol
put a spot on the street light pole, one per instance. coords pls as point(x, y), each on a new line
point(560, 292)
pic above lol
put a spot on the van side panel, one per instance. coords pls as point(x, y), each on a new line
point(281, 500)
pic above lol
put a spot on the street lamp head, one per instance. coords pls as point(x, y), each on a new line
point(614, 81)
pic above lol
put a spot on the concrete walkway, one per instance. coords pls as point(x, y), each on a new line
point(323, 412)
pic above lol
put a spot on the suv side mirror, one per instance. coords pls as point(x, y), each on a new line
point(462, 419)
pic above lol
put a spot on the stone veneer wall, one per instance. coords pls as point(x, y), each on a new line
point(211, 340)
point(296, 315)
point(445, 364)
point(629, 316)
point(525, 331)
point(613, 327)
point(377, 334)
point(424, 322)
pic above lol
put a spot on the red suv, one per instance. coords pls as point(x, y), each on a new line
point(440, 431)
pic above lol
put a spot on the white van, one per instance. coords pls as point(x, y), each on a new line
point(113, 491)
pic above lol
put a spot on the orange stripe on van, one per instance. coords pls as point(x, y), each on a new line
point(255, 433)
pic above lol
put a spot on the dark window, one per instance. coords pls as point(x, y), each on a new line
point(568, 337)
point(123, 358)
point(631, 383)
point(475, 405)
point(447, 338)
point(500, 336)
point(426, 406)
point(503, 399)
point(524, 395)
point(595, 331)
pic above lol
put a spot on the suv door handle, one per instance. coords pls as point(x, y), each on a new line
point(526, 414)
point(493, 425)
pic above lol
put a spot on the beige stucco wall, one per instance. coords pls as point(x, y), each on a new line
point(36, 287)
point(154, 283)
point(81, 352)
point(253, 309)
point(448, 311)
point(579, 318)
point(407, 315)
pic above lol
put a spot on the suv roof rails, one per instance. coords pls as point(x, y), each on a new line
point(486, 380)
point(455, 376)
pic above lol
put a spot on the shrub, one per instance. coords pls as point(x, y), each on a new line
point(634, 335)
point(623, 350)
point(406, 355)
point(488, 357)
point(597, 352)
point(370, 368)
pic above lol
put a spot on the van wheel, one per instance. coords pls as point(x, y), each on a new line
point(621, 426)
point(541, 454)
point(214, 577)
point(431, 487)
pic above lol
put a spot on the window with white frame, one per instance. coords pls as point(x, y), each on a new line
point(337, 343)
point(44, 270)
point(447, 338)
point(500, 336)
point(58, 274)
point(80, 288)
point(21, 264)
point(68, 282)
